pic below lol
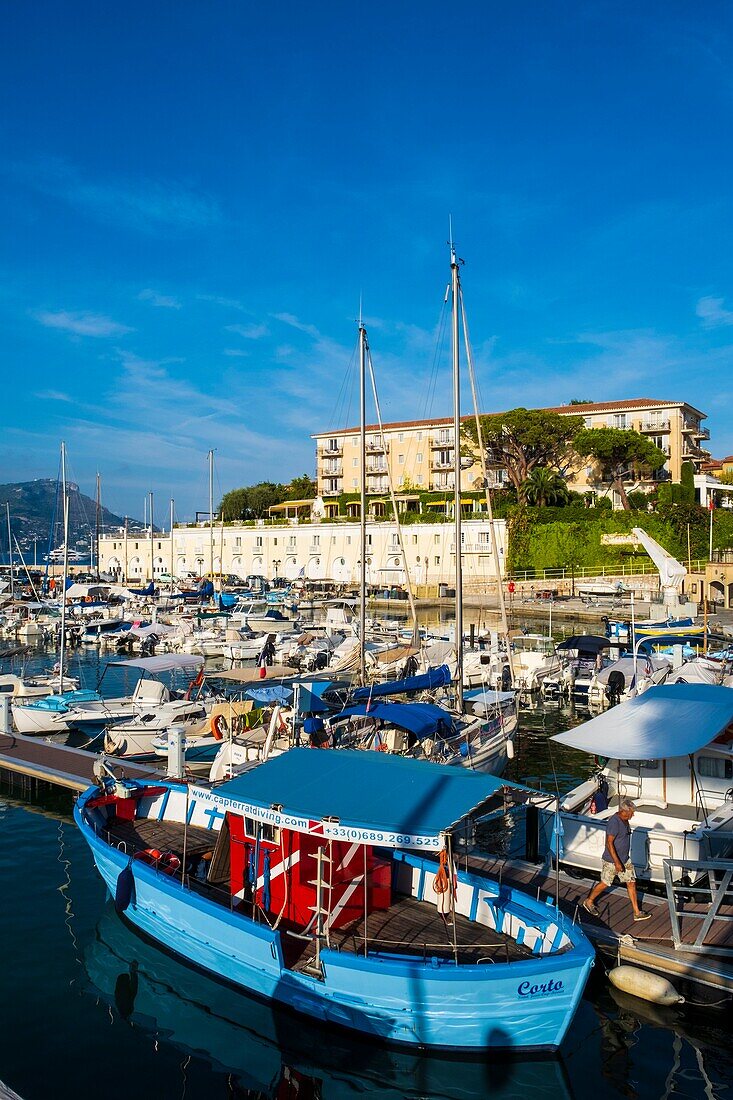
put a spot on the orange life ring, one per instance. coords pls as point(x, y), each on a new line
point(219, 726)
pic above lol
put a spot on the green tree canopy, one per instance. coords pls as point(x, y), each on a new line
point(522, 439)
point(301, 488)
point(621, 455)
point(545, 487)
point(253, 501)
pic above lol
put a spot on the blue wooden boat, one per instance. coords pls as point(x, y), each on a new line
point(329, 882)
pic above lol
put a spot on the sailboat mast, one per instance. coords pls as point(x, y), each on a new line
point(362, 508)
point(10, 552)
point(62, 652)
point(211, 516)
point(173, 509)
point(97, 518)
point(455, 285)
point(152, 566)
point(125, 548)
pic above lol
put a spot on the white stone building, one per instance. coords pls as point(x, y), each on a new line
point(311, 550)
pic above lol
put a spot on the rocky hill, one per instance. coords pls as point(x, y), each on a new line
point(36, 505)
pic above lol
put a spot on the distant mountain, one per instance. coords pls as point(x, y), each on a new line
point(35, 505)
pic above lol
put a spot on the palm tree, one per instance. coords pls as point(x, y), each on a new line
point(544, 487)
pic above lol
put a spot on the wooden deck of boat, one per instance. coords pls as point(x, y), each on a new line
point(165, 836)
point(35, 758)
point(411, 927)
point(649, 943)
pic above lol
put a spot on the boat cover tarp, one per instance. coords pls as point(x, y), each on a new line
point(644, 665)
point(488, 695)
point(584, 643)
point(367, 796)
point(166, 662)
point(433, 678)
point(666, 721)
point(419, 718)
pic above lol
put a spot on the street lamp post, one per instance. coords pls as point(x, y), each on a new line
point(275, 568)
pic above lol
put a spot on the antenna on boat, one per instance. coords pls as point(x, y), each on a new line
point(455, 340)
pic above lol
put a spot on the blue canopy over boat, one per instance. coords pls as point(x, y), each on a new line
point(361, 796)
point(422, 719)
point(666, 721)
point(433, 678)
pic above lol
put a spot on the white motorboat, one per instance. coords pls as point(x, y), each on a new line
point(670, 750)
point(534, 658)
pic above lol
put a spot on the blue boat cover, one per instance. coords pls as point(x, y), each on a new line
point(366, 796)
point(434, 677)
point(422, 719)
point(666, 721)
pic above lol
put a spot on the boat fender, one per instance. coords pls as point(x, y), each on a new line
point(509, 748)
point(640, 983)
point(125, 889)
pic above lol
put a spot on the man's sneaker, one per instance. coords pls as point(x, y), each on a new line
point(591, 907)
point(642, 915)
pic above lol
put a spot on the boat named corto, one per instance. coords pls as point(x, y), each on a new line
point(328, 882)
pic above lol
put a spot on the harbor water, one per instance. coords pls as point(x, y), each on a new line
point(88, 1003)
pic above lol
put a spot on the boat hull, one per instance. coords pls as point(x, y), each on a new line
point(404, 1000)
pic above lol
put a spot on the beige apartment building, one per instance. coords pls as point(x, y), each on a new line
point(419, 455)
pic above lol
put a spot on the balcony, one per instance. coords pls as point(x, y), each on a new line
point(655, 426)
point(373, 448)
point(328, 449)
point(437, 464)
point(703, 433)
point(376, 471)
point(693, 428)
point(441, 444)
point(336, 470)
point(330, 492)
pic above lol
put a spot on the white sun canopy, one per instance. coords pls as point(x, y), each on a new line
point(166, 662)
point(671, 720)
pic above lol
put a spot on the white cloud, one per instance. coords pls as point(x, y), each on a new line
point(138, 203)
point(54, 395)
point(217, 300)
point(163, 301)
point(81, 324)
point(294, 322)
point(249, 332)
point(712, 312)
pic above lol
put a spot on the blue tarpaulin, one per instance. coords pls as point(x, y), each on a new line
point(389, 795)
point(422, 719)
point(434, 677)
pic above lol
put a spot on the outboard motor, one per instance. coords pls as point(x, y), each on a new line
point(615, 687)
point(506, 679)
point(320, 661)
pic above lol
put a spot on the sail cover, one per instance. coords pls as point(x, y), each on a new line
point(666, 721)
point(433, 678)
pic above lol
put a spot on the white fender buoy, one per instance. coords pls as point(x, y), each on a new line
point(510, 749)
point(640, 983)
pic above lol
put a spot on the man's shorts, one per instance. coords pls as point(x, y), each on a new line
point(609, 873)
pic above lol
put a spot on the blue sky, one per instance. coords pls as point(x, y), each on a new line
point(195, 195)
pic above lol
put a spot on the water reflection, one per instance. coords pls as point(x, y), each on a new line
point(270, 1053)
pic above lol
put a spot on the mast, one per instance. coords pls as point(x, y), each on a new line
point(62, 652)
point(125, 550)
point(211, 516)
point(173, 508)
point(10, 552)
point(455, 285)
point(152, 567)
point(362, 509)
point(97, 522)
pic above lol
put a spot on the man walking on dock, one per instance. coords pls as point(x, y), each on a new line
point(616, 861)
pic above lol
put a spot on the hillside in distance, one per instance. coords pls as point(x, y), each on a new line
point(35, 505)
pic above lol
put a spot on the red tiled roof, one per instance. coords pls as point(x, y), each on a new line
point(571, 410)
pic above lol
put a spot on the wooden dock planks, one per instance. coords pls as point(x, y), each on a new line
point(59, 765)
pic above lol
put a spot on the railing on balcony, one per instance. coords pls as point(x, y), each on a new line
point(377, 448)
point(691, 426)
point(437, 464)
point(722, 557)
point(441, 444)
point(329, 450)
point(703, 433)
point(655, 426)
point(333, 471)
point(331, 492)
